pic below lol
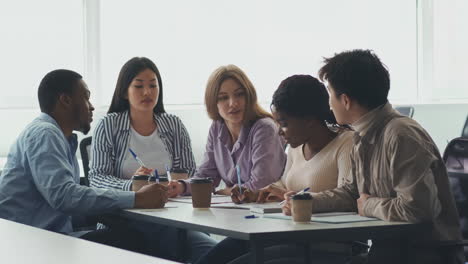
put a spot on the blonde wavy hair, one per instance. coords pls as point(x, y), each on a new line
point(253, 111)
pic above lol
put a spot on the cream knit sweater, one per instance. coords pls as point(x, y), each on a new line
point(326, 170)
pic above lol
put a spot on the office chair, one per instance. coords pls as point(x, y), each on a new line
point(455, 157)
point(85, 222)
point(85, 150)
point(405, 110)
point(465, 129)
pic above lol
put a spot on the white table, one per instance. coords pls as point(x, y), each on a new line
point(29, 245)
point(232, 223)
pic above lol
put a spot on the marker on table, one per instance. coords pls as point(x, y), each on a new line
point(239, 179)
point(301, 192)
point(137, 158)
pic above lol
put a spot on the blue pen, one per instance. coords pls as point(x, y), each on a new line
point(301, 192)
point(137, 158)
point(156, 175)
point(239, 179)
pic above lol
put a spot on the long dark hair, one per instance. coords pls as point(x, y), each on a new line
point(303, 96)
point(128, 72)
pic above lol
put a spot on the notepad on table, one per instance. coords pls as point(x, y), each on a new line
point(331, 218)
point(266, 208)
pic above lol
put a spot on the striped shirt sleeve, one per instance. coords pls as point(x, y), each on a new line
point(181, 151)
point(102, 166)
point(107, 148)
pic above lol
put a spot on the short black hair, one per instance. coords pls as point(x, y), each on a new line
point(359, 74)
point(303, 96)
point(54, 84)
point(128, 72)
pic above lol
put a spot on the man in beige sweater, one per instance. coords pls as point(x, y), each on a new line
point(397, 171)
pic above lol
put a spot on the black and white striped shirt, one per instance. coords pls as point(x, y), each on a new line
point(110, 144)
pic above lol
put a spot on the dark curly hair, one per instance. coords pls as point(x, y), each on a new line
point(54, 84)
point(303, 96)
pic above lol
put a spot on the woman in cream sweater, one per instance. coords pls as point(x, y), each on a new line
point(318, 157)
point(319, 153)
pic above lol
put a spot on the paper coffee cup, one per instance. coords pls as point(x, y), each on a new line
point(302, 207)
point(201, 192)
point(139, 181)
point(162, 180)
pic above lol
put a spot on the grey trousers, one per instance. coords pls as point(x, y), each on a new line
point(292, 254)
point(382, 252)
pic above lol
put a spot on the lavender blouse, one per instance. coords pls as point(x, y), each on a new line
point(259, 152)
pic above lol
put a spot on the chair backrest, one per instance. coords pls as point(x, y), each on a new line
point(456, 161)
point(405, 110)
point(465, 129)
point(85, 151)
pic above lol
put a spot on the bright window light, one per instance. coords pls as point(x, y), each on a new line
point(450, 50)
point(268, 39)
point(37, 37)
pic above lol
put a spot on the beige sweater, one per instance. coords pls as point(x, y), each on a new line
point(398, 165)
point(327, 169)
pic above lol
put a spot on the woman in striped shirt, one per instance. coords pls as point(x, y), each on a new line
point(137, 120)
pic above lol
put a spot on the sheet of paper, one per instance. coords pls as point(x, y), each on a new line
point(181, 200)
point(253, 207)
point(230, 205)
point(336, 218)
point(224, 201)
point(215, 199)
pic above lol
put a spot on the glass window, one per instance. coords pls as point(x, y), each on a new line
point(37, 37)
point(450, 50)
point(268, 39)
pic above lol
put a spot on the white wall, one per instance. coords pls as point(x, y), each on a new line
point(443, 121)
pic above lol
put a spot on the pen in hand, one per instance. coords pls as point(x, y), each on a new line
point(239, 179)
point(156, 175)
point(137, 159)
point(168, 172)
point(301, 192)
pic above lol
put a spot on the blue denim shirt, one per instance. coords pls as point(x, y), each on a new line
point(39, 185)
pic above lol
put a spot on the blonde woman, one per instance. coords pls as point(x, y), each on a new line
point(242, 134)
point(318, 158)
